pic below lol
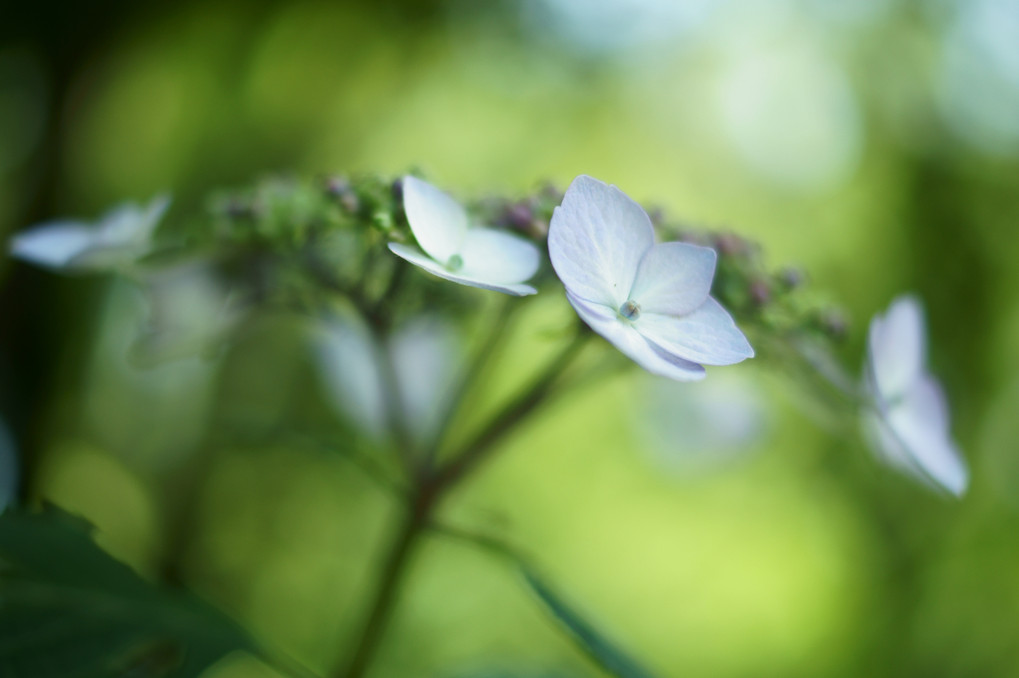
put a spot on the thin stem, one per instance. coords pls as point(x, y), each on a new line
point(389, 584)
point(480, 447)
point(493, 545)
point(469, 377)
point(366, 463)
point(432, 488)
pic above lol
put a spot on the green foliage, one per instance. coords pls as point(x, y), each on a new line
point(592, 641)
point(68, 609)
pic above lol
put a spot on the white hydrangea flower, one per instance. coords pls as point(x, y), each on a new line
point(424, 354)
point(190, 310)
point(908, 423)
point(454, 250)
point(650, 300)
point(120, 237)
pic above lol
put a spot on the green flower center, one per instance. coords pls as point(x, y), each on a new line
point(455, 263)
point(630, 310)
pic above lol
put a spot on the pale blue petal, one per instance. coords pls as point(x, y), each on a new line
point(131, 224)
point(621, 334)
point(438, 222)
point(349, 367)
point(596, 240)
point(424, 354)
point(54, 244)
point(708, 335)
point(674, 278)
point(421, 260)
point(921, 422)
point(897, 347)
point(497, 257)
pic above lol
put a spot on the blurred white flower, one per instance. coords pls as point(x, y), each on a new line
point(650, 300)
point(907, 424)
point(120, 237)
point(696, 428)
point(151, 382)
point(190, 309)
point(479, 257)
point(423, 354)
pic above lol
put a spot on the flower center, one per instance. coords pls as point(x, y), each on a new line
point(630, 310)
point(455, 263)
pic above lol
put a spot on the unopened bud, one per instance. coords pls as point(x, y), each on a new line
point(730, 244)
point(760, 292)
point(343, 192)
point(791, 277)
point(235, 209)
point(834, 323)
point(519, 215)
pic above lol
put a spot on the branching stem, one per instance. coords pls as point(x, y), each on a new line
point(433, 486)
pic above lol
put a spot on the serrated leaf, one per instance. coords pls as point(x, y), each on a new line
point(599, 648)
point(69, 610)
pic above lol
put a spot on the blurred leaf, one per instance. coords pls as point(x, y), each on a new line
point(68, 609)
point(596, 645)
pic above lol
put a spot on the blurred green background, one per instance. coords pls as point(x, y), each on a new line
point(875, 143)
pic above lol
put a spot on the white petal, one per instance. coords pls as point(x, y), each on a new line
point(497, 257)
point(896, 346)
point(132, 225)
point(351, 373)
point(606, 322)
point(674, 278)
point(439, 223)
point(424, 356)
point(596, 240)
point(121, 225)
point(421, 260)
point(53, 245)
point(921, 423)
point(157, 207)
point(708, 335)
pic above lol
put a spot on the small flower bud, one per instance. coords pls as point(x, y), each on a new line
point(550, 192)
point(730, 244)
point(657, 215)
point(235, 209)
point(519, 215)
point(343, 192)
point(382, 220)
point(760, 292)
point(791, 277)
point(337, 186)
point(834, 323)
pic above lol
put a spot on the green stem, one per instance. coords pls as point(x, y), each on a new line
point(493, 545)
point(393, 573)
point(433, 488)
point(480, 447)
point(469, 377)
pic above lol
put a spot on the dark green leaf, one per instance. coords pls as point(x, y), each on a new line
point(69, 610)
point(594, 643)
